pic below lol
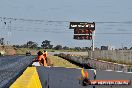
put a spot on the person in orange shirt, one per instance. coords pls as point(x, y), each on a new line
point(45, 54)
point(41, 59)
point(85, 78)
point(84, 73)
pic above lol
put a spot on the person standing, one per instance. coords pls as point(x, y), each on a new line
point(45, 54)
point(94, 74)
point(41, 59)
point(85, 76)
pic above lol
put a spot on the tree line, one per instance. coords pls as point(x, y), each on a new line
point(46, 44)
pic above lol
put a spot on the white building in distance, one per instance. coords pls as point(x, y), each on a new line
point(107, 48)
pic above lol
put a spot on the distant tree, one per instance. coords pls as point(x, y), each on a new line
point(77, 48)
point(124, 48)
point(66, 48)
point(120, 49)
point(16, 46)
point(1, 41)
point(31, 44)
point(88, 48)
point(96, 48)
point(130, 48)
point(46, 44)
point(24, 46)
point(58, 47)
point(83, 49)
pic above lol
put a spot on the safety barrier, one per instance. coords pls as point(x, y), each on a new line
point(98, 64)
point(29, 79)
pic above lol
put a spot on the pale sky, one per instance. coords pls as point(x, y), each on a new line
point(56, 15)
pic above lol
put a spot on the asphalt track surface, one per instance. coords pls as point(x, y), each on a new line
point(59, 77)
point(12, 67)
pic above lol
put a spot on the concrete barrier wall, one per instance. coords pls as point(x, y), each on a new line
point(98, 64)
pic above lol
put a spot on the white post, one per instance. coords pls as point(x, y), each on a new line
point(93, 37)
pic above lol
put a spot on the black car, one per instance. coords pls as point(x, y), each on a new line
point(28, 53)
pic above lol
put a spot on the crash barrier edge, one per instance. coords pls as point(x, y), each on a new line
point(29, 79)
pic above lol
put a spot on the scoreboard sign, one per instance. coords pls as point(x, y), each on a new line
point(82, 37)
point(82, 25)
point(83, 31)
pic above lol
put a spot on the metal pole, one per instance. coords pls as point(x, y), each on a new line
point(93, 37)
point(130, 57)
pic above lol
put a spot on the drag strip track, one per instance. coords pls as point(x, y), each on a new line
point(11, 67)
point(59, 77)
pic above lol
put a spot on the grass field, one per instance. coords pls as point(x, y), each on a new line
point(57, 61)
point(20, 51)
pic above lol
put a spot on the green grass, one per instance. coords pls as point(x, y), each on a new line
point(60, 62)
point(53, 50)
point(21, 51)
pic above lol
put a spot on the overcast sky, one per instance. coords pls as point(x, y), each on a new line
point(56, 15)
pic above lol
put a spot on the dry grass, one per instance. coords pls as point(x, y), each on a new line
point(115, 61)
point(60, 62)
